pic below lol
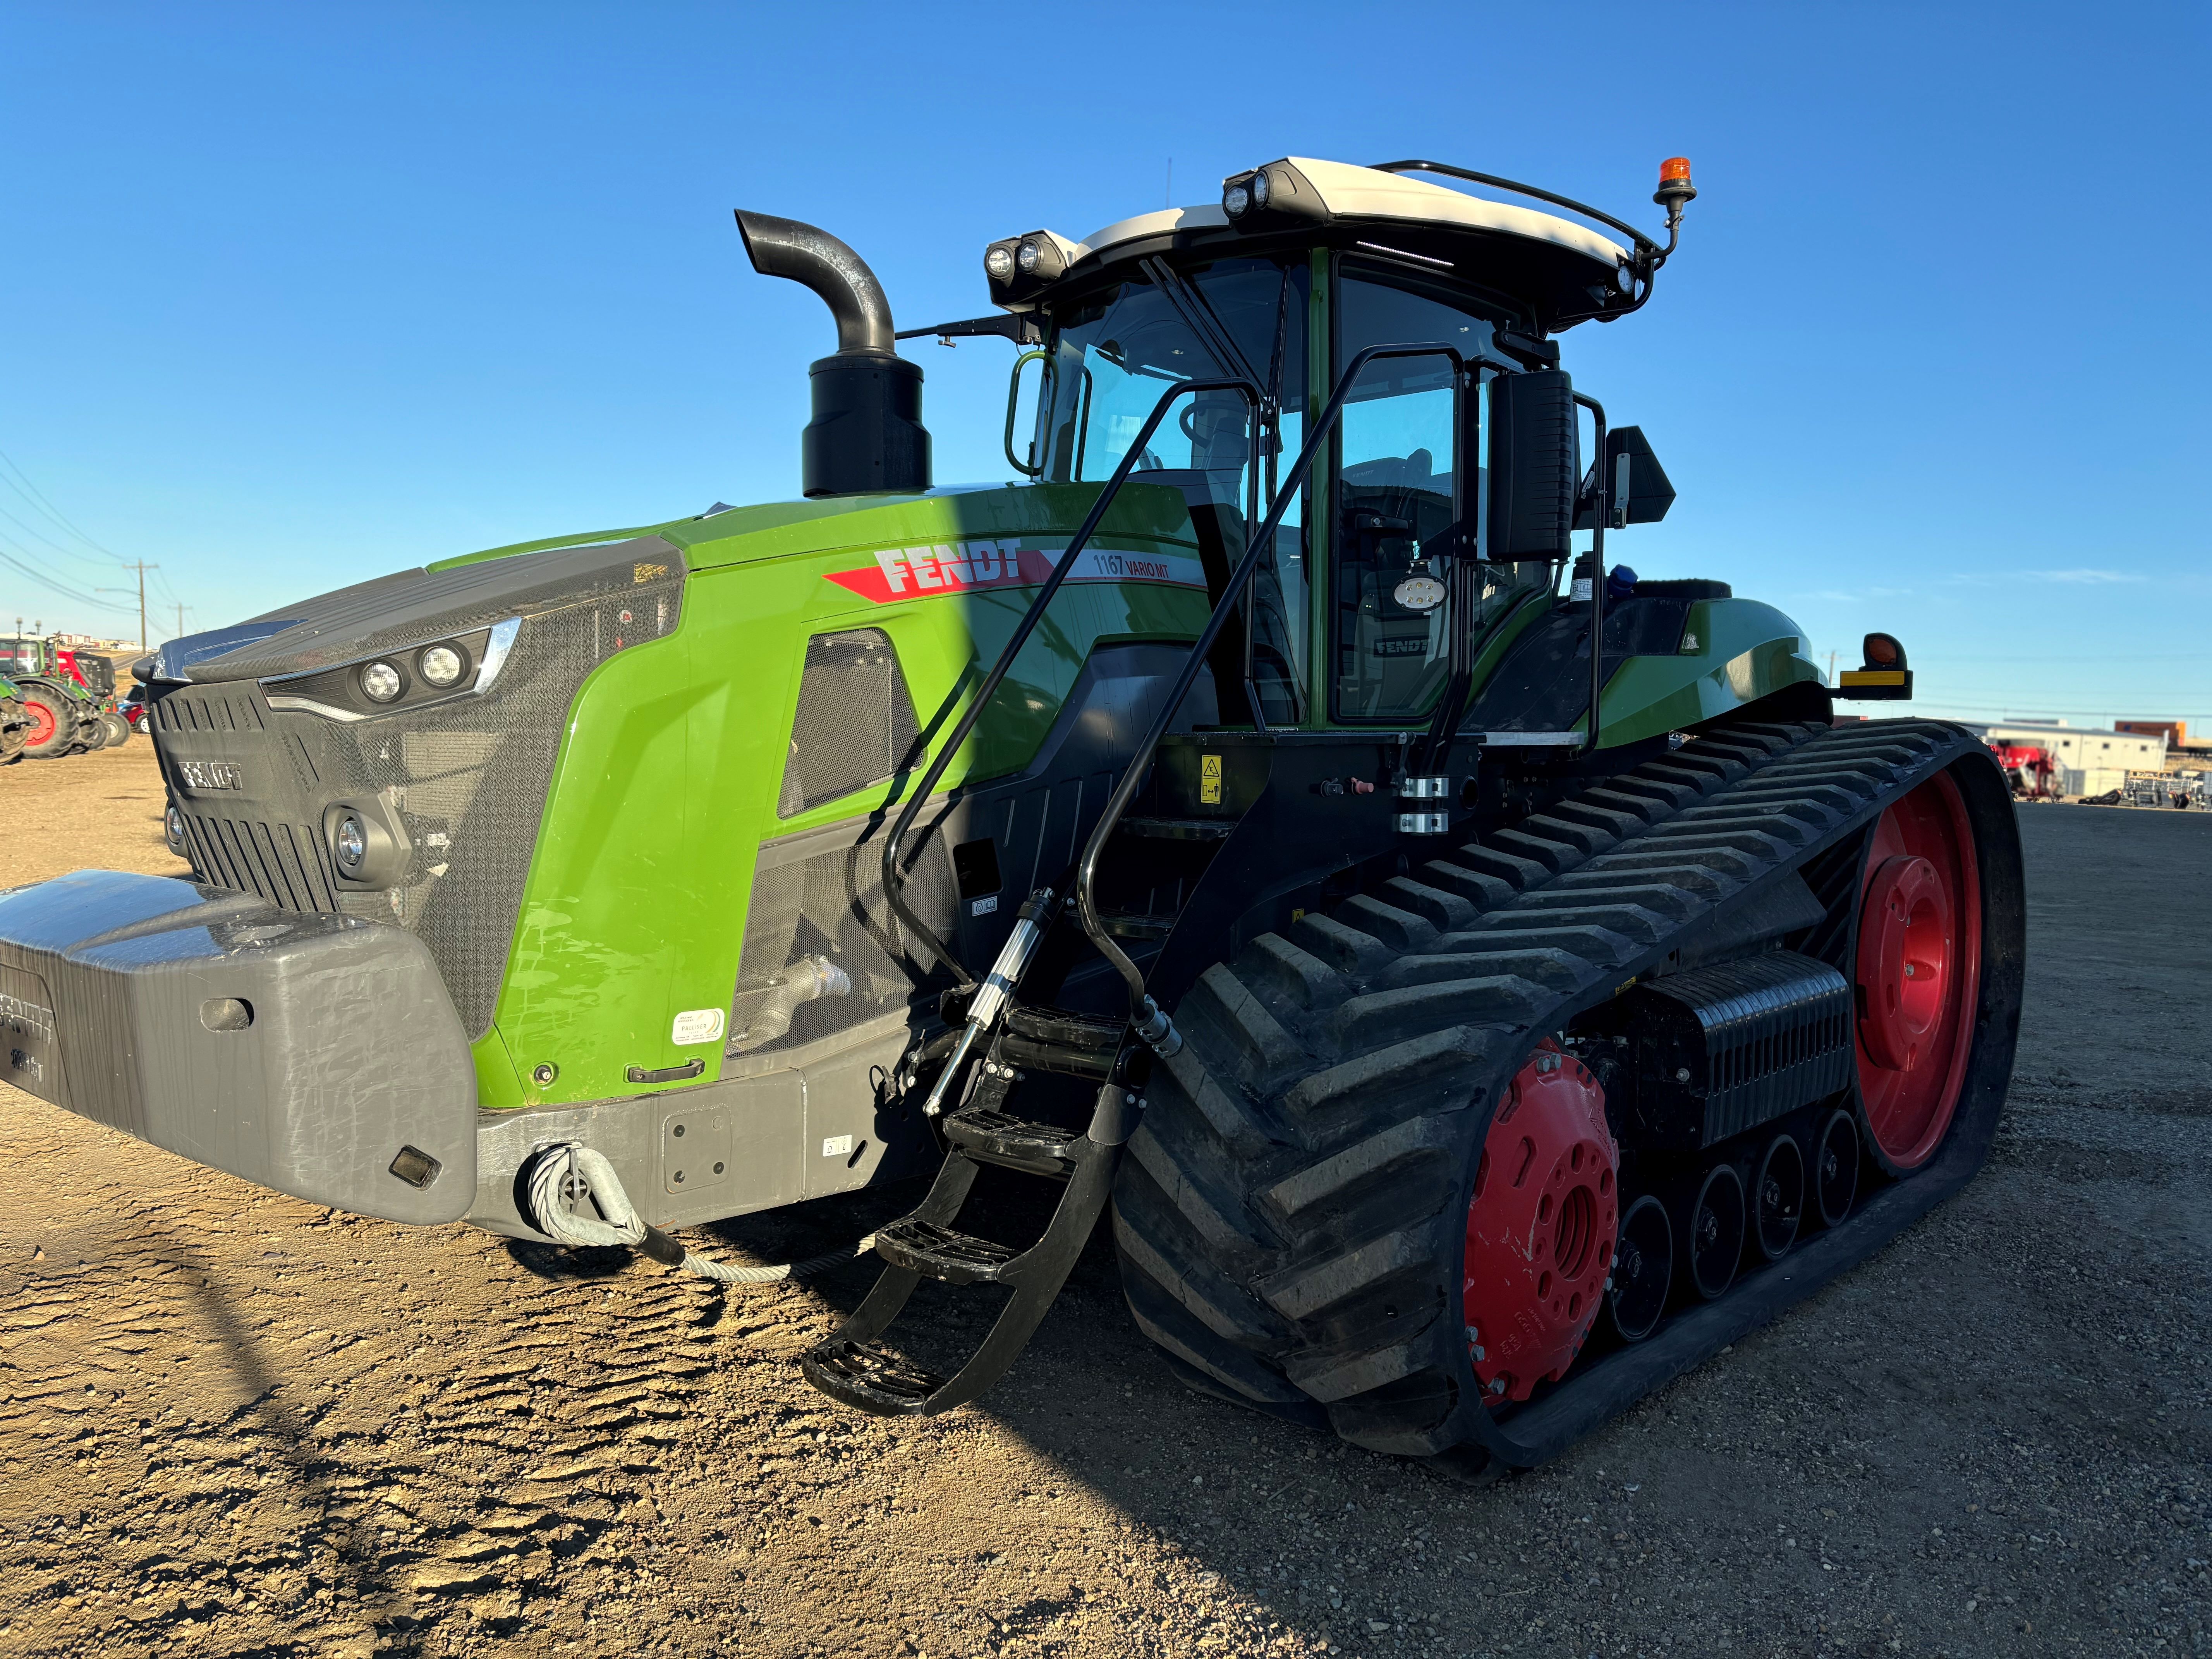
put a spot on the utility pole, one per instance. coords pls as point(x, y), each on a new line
point(142, 567)
point(1832, 668)
point(181, 619)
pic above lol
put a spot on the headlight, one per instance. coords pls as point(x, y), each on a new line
point(1259, 188)
point(173, 827)
point(441, 664)
point(350, 840)
point(998, 264)
point(381, 682)
point(1026, 256)
point(1235, 200)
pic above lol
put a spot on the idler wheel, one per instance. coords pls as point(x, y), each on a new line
point(1836, 1168)
point(1643, 1269)
point(1918, 971)
point(1777, 1198)
point(1714, 1243)
point(1540, 1225)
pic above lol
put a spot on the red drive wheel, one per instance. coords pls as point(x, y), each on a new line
point(42, 725)
point(1919, 970)
point(1540, 1227)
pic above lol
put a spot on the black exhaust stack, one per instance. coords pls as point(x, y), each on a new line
point(867, 436)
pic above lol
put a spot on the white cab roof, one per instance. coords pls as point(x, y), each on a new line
point(1357, 192)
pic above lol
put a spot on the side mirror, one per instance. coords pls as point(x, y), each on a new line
point(1641, 492)
point(1535, 459)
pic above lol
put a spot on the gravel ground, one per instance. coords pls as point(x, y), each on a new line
point(231, 1423)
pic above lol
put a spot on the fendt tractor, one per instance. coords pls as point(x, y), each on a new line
point(63, 712)
point(15, 721)
point(1480, 982)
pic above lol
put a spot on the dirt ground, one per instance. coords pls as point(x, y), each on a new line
point(234, 1424)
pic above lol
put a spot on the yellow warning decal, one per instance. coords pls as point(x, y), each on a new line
point(1209, 780)
point(646, 572)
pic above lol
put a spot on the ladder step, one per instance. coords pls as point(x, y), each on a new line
point(1128, 924)
point(870, 1379)
point(940, 1252)
point(1177, 829)
point(991, 1137)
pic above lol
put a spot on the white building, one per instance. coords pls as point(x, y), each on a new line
point(2090, 761)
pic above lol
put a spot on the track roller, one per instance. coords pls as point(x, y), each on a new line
point(1714, 1240)
point(1777, 1198)
point(1643, 1269)
point(1836, 1168)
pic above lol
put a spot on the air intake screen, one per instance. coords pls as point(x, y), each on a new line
point(855, 725)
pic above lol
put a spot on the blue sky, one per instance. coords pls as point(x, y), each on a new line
point(295, 296)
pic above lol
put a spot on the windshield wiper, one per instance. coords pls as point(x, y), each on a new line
point(1198, 317)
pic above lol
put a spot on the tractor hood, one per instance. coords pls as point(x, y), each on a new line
point(395, 614)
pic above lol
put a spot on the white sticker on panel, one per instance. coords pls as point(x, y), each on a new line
point(696, 1026)
point(837, 1146)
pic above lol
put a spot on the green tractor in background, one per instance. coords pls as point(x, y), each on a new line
point(15, 722)
point(1478, 982)
point(62, 709)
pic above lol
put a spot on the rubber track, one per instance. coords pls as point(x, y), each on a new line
point(1288, 1217)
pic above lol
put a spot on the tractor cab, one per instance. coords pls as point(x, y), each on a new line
point(1388, 568)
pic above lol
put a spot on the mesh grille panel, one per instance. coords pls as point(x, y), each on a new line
point(855, 724)
point(822, 896)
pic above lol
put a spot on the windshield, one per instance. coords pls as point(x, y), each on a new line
point(1112, 359)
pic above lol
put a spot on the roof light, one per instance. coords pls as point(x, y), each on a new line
point(1235, 199)
point(999, 263)
point(1674, 185)
point(1882, 651)
point(1259, 188)
point(1026, 255)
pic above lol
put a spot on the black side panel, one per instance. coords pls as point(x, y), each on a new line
point(1543, 684)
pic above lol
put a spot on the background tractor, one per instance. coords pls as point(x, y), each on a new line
point(62, 709)
point(15, 722)
point(1477, 981)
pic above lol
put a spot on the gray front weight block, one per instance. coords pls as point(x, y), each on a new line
point(318, 1055)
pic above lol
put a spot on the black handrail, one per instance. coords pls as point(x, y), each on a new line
point(1604, 510)
point(894, 880)
point(1133, 775)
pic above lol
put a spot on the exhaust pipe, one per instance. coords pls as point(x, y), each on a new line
point(867, 436)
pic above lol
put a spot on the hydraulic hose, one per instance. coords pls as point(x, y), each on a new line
point(567, 1171)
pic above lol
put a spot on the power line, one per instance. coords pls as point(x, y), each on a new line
point(66, 552)
point(30, 492)
point(66, 591)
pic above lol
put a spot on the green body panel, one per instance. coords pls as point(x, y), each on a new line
point(668, 775)
point(1746, 651)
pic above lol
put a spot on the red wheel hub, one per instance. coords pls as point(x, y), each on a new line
point(1919, 971)
point(42, 725)
point(1540, 1227)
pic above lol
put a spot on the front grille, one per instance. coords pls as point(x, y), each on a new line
point(284, 863)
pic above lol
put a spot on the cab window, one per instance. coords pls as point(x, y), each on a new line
point(1112, 358)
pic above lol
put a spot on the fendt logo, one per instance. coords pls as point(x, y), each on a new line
point(920, 573)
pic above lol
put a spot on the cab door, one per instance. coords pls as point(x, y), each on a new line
point(1403, 494)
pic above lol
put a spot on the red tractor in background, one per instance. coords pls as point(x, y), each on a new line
point(2030, 770)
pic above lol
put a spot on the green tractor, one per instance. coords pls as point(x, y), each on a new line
point(1480, 982)
point(15, 722)
point(63, 712)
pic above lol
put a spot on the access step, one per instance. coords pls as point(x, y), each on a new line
point(1177, 829)
point(941, 1253)
point(1013, 1143)
point(1126, 924)
point(871, 1379)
